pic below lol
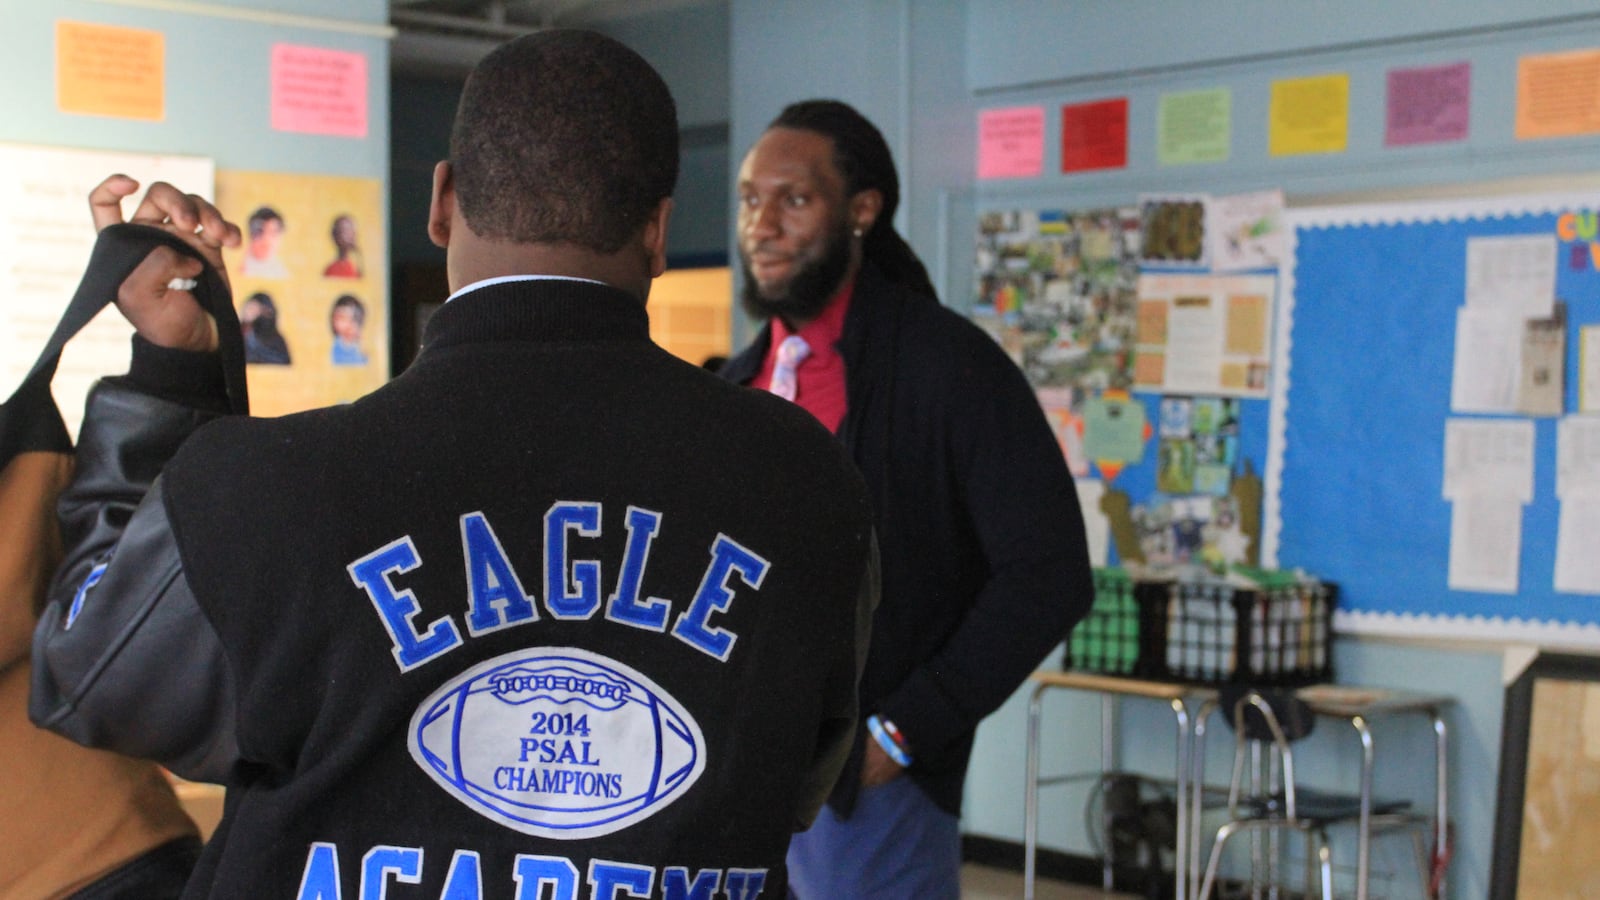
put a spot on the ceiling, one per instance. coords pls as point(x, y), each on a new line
point(445, 38)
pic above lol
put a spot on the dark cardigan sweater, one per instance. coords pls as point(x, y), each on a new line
point(985, 563)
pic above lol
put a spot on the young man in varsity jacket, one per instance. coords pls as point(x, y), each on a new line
point(552, 614)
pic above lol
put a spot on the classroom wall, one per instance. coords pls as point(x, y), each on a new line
point(688, 46)
point(923, 71)
point(217, 59)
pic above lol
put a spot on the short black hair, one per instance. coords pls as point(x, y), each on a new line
point(263, 300)
point(864, 162)
point(258, 220)
point(564, 136)
point(350, 301)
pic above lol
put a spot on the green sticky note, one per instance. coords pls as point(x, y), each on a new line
point(1194, 127)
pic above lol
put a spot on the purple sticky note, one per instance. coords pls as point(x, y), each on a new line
point(1428, 105)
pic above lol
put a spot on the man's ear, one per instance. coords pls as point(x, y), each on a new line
point(655, 237)
point(865, 207)
point(442, 205)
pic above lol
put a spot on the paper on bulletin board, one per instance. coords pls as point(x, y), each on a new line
point(1488, 361)
point(1558, 94)
point(108, 70)
point(46, 237)
point(1215, 334)
point(1541, 389)
point(1512, 274)
point(1011, 142)
point(309, 282)
point(1488, 457)
point(1485, 544)
point(1589, 369)
point(1194, 127)
point(1245, 231)
point(1309, 115)
point(1577, 567)
point(1174, 230)
point(1510, 282)
point(1056, 289)
point(1488, 477)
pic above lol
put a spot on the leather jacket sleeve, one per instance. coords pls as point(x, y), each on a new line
point(836, 738)
point(124, 658)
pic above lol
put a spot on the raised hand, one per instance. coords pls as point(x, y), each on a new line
point(155, 297)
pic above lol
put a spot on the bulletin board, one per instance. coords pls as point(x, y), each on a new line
point(1362, 402)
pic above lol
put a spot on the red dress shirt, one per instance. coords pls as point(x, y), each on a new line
point(820, 377)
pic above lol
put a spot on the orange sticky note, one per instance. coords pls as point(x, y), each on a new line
point(1558, 94)
point(106, 70)
point(318, 91)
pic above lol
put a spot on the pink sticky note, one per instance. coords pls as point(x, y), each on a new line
point(1011, 142)
point(318, 91)
point(1428, 105)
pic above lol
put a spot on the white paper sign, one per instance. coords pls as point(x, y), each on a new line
point(1488, 458)
point(1485, 544)
point(1514, 274)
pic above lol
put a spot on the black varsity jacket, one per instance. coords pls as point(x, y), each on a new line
point(552, 607)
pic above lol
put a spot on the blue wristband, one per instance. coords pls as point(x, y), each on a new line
point(880, 733)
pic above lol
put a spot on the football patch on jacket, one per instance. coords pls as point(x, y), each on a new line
point(558, 742)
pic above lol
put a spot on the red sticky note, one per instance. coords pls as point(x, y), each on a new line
point(319, 91)
point(1094, 135)
point(1011, 142)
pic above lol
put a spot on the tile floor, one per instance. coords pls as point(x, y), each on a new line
point(985, 883)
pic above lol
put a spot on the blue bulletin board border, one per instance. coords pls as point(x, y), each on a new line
point(1364, 348)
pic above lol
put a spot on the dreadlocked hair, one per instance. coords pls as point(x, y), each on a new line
point(863, 159)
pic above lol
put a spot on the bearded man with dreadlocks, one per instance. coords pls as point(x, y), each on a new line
point(984, 561)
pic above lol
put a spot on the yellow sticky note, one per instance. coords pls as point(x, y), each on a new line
point(1558, 94)
point(106, 70)
point(1309, 115)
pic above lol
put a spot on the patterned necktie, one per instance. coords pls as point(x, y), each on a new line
point(793, 349)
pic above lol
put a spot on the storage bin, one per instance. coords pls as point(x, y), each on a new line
point(1207, 631)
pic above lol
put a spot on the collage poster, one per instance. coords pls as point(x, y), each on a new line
point(1140, 351)
point(309, 283)
point(1058, 290)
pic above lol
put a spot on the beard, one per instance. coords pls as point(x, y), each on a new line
point(807, 292)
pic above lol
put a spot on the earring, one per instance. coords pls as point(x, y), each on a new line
point(858, 232)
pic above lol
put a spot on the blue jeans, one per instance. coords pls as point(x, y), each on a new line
point(896, 845)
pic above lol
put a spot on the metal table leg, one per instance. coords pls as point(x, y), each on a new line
point(1030, 821)
point(1364, 833)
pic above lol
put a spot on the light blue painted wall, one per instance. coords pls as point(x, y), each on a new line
point(689, 47)
point(923, 70)
point(1016, 43)
point(217, 87)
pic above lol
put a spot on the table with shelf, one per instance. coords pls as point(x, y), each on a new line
point(1191, 705)
point(1112, 690)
